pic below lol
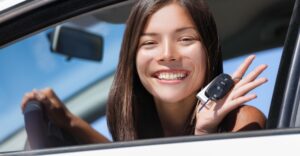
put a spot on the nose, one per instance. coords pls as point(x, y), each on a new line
point(168, 52)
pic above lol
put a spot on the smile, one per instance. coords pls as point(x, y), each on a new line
point(171, 75)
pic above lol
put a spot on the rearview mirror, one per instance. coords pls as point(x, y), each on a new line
point(76, 43)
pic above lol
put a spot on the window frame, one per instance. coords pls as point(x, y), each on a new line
point(285, 101)
point(287, 83)
point(171, 140)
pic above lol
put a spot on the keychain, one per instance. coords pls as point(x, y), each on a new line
point(216, 89)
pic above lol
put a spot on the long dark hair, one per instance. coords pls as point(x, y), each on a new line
point(131, 110)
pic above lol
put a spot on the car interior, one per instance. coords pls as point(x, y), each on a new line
point(244, 27)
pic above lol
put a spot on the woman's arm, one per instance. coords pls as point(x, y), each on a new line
point(243, 118)
point(84, 133)
point(62, 117)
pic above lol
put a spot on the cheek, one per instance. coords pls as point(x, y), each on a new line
point(143, 61)
point(195, 53)
point(198, 59)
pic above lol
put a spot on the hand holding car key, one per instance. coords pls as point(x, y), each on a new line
point(226, 93)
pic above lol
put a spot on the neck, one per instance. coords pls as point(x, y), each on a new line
point(174, 116)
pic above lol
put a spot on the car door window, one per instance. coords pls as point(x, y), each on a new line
point(30, 64)
point(81, 84)
point(264, 92)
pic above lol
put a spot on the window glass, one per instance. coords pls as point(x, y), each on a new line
point(264, 92)
point(30, 64)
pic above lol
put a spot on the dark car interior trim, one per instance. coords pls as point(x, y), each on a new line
point(284, 96)
point(55, 12)
point(22, 8)
point(264, 29)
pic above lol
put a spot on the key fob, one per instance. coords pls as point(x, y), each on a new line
point(216, 89)
point(219, 87)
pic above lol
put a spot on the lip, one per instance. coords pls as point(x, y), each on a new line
point(171, 76)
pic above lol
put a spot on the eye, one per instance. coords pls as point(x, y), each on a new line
point(148, 44)
point(187, 40)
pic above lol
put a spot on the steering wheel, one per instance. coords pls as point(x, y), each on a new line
point(41, 132)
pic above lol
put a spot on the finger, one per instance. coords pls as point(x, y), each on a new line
point(242, 100)
point(238, 102)
point(27, 97)
point(41, 96)
point(207, 105)
point(51, 96)
point(239, 73)
point(248, 87)
point(252, 75)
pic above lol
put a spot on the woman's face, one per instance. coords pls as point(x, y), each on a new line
point(171, 60)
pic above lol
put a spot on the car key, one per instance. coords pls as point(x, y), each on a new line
point(216, 89)
point(220, 86)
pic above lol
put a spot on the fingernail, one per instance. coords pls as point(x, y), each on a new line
point(253, 96)
point(266, 80)
point(252, 56)
point(264, 65)
point(40, 96)
point(263, 80)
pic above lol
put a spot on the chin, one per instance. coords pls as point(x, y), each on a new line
point(170, 98)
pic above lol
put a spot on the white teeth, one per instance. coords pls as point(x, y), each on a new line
point(171, 76)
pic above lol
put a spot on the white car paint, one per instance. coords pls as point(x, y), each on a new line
point(251, 146)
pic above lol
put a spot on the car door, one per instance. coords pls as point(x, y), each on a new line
point(283, 117)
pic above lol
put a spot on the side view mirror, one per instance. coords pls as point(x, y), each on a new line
point(76, 43)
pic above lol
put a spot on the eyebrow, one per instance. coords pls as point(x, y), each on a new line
point(185, 28)
point(176, 31)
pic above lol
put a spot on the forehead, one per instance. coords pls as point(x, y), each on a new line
point(169, 17)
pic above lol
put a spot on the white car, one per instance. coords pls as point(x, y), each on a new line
point(31, 56)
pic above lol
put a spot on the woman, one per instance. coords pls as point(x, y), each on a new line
point(169, 53)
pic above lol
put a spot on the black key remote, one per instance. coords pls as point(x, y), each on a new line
point(219, 87)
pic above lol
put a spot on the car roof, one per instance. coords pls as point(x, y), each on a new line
point(244, 26)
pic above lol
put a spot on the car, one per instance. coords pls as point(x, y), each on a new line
point(31, 56)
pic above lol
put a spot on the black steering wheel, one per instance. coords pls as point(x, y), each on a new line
point(41, 132)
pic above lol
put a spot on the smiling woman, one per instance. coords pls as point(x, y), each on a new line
point(171, 64)
point(170, 51)
point(163, 64)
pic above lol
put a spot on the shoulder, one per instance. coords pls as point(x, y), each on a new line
point(243, 118)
